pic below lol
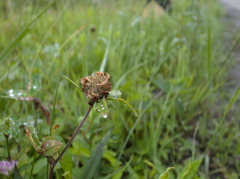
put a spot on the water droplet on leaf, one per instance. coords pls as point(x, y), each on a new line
point(102, 108)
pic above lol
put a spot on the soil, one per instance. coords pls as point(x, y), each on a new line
point(232, 8)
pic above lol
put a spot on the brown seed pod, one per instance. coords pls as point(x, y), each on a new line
point(96, 87)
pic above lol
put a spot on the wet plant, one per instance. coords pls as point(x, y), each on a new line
point(165, 68)
point(96, 87)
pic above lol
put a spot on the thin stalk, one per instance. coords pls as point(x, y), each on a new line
point(54, 162)
point(34, 158)
point(8, 150)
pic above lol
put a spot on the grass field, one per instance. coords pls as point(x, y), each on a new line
point(170, 69)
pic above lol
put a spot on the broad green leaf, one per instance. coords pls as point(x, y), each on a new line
point(16, 174)
point(90, 168)
point(41, 163)
point(50, 147)
point(165, 175)
point(79, 150)
point(110, 156)
point(190, 171)
point(67, 164)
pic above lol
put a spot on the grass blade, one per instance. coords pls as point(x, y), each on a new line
point(125, 102)
point(90, 169)
point(102, 68)
point(230, 104)
point(21, 35)
point(190, 171)
point(72, 82)
point(209, 51)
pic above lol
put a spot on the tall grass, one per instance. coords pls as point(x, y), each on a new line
point(163, 67)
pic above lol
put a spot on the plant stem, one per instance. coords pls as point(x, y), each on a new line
point(54, 162)
point(34, 159)
point(8, 150)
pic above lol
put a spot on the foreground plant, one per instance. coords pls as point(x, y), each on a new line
point(96, 87)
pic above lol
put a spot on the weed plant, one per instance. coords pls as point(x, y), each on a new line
point(169, 68)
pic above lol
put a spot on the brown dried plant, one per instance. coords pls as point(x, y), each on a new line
point(96, 87)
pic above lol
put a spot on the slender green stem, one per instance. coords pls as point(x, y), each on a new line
point(34, 158)
point(8, 149)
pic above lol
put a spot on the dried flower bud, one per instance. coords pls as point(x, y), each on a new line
point(96, 87)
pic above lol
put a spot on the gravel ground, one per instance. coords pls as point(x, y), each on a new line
point(232, 8)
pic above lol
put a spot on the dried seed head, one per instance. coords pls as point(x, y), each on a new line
point(96, 87)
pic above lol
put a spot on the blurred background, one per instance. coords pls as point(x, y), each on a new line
point(176, 63)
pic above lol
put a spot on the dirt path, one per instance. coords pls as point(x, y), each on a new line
point(232, 8)
point(233, 11)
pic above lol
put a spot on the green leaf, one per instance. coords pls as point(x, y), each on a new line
point(90, 168)
point(190, 171)
point(30, 138)
point(125, 102)
point(153, 171)
point(110, 156)
point(209, 53)
point(72, 82)
point(16, 174)
point(21, 35)
point(119, 172)
point(78, 150)
point(165, 175)
point(39, 164)
point(230, 104)
point(51, 147)
point(163, 84)
point(67, 164)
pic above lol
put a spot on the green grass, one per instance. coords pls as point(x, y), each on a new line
point(164, 67)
